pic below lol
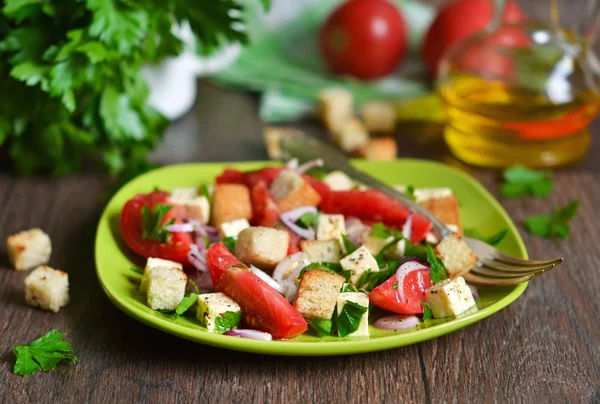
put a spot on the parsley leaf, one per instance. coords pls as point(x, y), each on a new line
point(228, 320)
point(137, 270)
point(493, 240)
point(230, 244)
point(521, 180)
point(42, 354)
point(191, 281)
point(427, 314)
point(349, 319)
point(308, 220)
point(410, 192)
point(369, 280)
point(187, 303)
point(555, 224)
point(153, 227)
point(348, 287)
point(322, 328)
point(204, 191)
point(349, 246)
point(437, 268)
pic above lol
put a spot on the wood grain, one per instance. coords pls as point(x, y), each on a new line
point(543, 348)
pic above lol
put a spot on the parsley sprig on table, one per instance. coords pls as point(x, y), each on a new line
point(555, 224)
point(42, 354)
point(521, 181)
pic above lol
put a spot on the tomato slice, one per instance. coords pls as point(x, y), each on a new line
point(176, 249)
point(265, 212)
point(263, 308)
point(386, 297)
point(294, 244)
point(374, 206)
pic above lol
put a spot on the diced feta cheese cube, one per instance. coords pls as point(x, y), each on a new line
point(361, 299)
point(217, 312)
point(331, 227)
point(322, 250)
point(358, 262)
point(29, 249)
point(449, 297)
point(338, 181)
point(187, 203)
point(153, 263)
point(47, 288)
point(263, 247)
point(184, 193)
point(376, 244)
point(165, 287)
point(233, 228)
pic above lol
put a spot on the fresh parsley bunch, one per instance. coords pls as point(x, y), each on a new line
point(70, 83)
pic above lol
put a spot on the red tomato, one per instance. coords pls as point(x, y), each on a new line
point(386, 297)
point(458, 20)
point(364, 38)
point(131, 228)
point(294, 244)
point(373, 206)
point(263, 308)
point(265, 212)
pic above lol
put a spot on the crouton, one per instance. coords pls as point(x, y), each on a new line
point(338, 181)
point(335, 107)
point(379, 117)
point(449, 298)
point(290, 191)
point(186, 203)
point(263, 247)
point(230, 202)
point(165, 287)
point(273, 136)
point(152, 263)
point(29, 249)
point(322, 250)
point(351, 135)
point(47, 288)
point(446, 209)
point(317, 294)
point(456, 255)
point(383, 148)
point(359, 262)
point(331, 227)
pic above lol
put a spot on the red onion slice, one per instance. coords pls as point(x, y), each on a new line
point(287, 271)
point(253, 334)
point(292, 164)
point(289, 219)
point(407, 227)
point(356, 230)
point(397, 322)
point(404, 270)
point(202, 280)
point(265, 277)
point(307, 166)
point(197, 258)
point(474, 290)
point(181, 228)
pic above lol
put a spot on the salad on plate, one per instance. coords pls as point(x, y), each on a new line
point(282, 251)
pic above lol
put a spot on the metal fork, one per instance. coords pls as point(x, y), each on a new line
point(494, 268)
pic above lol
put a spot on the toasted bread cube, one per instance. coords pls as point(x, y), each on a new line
point(47, 288)
point(165, 287)
point(338, 181)
point(446, 209)
point(456, 255)
point(273, 136)
point(360, 299)
point(351, 136)
point(335, 107)
point(153, 263)
point(233, 228)
point(322, 250)
point(217, 312)
point(230, 202)
point(263, 247)
point(187, 203)
point(449, 297)
point(29, 249)
point(382, 148)
point(317, 294)
point(378, 116)
point(375, 244)
point(359, 262)
point(331, 227)
point(290, 191)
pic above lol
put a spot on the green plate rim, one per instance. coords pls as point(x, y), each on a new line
point(324, 348)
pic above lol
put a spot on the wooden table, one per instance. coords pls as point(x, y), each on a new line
point(543, 348)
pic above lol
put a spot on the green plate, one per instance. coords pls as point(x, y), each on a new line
point(478, 208)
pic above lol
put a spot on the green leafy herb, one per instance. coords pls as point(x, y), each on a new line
point(349, 319)
point(228, 320)
point(414, 250)
point(493, 240)
point(369, 280)
point(187, 303)
point(191, 281)
point(348, 287)
point(322, 328)
point(438, 270)
point(137, 270)
point(427, 314)
point(410, 192)
point(153, 227)
point(308, 220)
point(395, 286)
point(521, 180)
point(204, 191)
point(349, 246)
point(42, 354)
point(555, 224)
point(230, 243)
point(333, 267)
point(379, 230)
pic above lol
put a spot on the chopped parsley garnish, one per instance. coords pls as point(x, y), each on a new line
point(322, 328)
point(42, 354)
point(137, 270)
point(349, 319)
point(438, 270)
point(427, 314)
point(153, 227)
point(348, 287)
point(308, 220)
point(410, 192)
point(204, 191)
point(333, 267)
point(492, 240)
point(349, 246)
point(379, 230)
point(555, 224)
point(230, 244)
point(521, 181)
point(369, 280)
point(187, 303)
point(228, 320)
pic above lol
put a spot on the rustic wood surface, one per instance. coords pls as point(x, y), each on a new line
point(543, 348)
